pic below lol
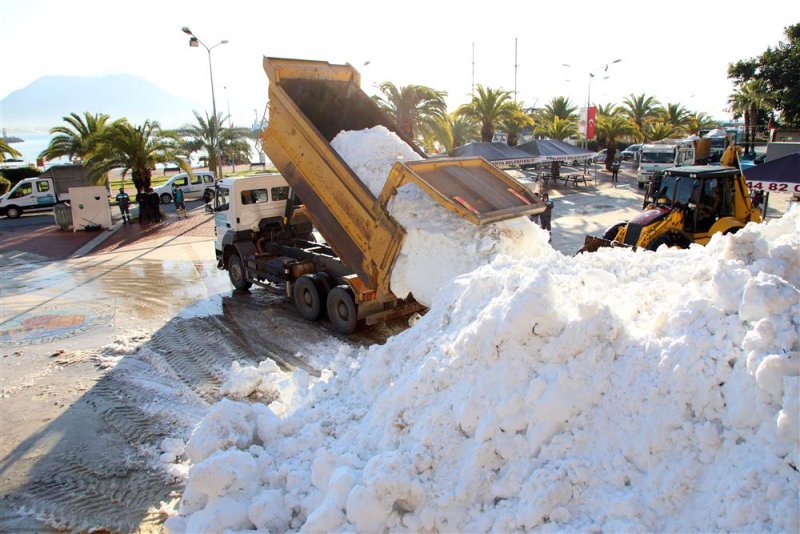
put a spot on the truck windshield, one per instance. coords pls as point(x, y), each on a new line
point(680, 187)
point(657, 157)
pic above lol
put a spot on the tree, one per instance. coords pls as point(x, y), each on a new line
point(748, 99)
point(488, 108)
point(202, 136)
point(779, 68)
point(609, 109)
point(658, 130)
point(134, 149)
point(641, 109)
point(7, 150)
point(412, 107)
point(453, 131)
point(613, 128)
point(699, 121)
point(557, 129)
point(235, 150)
point(74, 140)
point(559, 107)
point(515, 123)
point(675, 115)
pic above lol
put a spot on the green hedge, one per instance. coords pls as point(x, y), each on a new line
point(17, 174)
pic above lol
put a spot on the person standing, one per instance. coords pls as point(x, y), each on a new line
point(144, 210)
point(615, 171)
point(124, 202)
point(180, 201)
point(546, 216)
point(153, 202)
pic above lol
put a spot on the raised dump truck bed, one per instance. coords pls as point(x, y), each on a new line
point(310, 102)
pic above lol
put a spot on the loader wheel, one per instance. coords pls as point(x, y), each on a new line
point(307, 298)
point(671, 240)
point(237, 273)
point(612, 232)
point(342, 310)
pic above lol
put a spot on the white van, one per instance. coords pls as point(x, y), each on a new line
point(192, 187)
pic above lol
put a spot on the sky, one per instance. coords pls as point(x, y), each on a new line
point(679, 54)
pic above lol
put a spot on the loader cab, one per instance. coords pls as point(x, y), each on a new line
point(705, 196)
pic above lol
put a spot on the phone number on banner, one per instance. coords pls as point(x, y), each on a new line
point(774, 187)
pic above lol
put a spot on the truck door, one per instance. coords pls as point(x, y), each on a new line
point(43, 193)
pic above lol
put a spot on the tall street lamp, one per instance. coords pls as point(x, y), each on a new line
point(592, 74)
point(193, 42)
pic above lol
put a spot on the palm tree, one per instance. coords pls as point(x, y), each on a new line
point(75, 139)
point(675, 115)
point(641, 109)
point(488, 108)
point(558, 128)
point(235, 150)
point(134, 149)
point(608, 109)
point(412, 107)
point(206, 134)
point(515, 123)
point(7, 150)
point(748, 98)
point(454, 131)
point(699, 121)
point(559, 107)
point(658, 130)
point(613, 128)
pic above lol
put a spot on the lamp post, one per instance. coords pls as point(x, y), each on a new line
point(592, 74)
point(193, 42)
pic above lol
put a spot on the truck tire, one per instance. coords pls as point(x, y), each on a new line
point(237, 274)
point(342, 310)
point(13, 212)
point(307, 298)
point(671, 240)
point(166, 198)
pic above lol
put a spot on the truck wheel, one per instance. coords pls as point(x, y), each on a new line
point(13, 212)
point(671, 240)
point(342, 310)
point(307, 298)
point(237, 273)
point(166, 198)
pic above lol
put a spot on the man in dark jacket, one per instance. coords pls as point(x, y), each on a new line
point(154, 204)
point(546, 215)
point(141, 200)
point(124, 202)
point(614, 171)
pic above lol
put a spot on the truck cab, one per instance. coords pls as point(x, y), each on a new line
point(245, 205)
point(654, 159)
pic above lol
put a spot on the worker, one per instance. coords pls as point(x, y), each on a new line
point(124, 202)
point(180, 201)
point(546, 215)
point(615, 171)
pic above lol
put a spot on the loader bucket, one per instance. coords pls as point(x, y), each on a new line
point(593, 243)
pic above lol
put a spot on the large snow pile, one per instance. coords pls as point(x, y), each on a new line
point(439, 245)
point(618, 391)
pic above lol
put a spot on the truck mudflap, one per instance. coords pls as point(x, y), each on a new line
point(593, 243)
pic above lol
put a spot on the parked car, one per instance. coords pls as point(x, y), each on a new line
point(631, 153)
point(191, 188)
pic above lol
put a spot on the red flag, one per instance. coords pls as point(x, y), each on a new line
point(590, 118)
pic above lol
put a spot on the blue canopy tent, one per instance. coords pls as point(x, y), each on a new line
point(783, 172)
point(498, 154)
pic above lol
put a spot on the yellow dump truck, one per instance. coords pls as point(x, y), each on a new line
point(348, 276)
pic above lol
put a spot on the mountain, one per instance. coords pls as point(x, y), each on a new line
point(42, 104)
